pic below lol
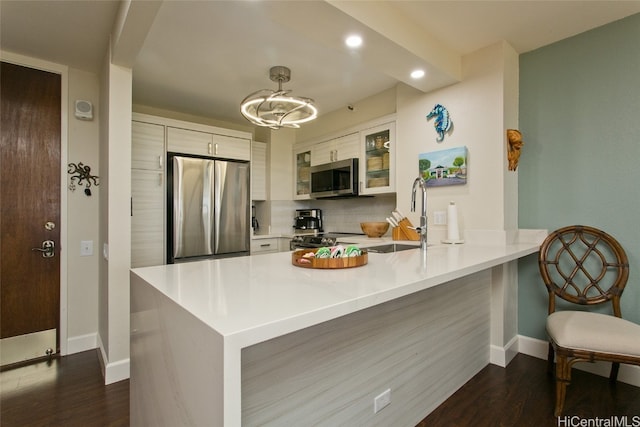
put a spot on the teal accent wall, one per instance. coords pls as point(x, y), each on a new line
point(580, 121)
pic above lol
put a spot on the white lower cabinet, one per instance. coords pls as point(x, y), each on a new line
point(147, 218)
point(264, 246)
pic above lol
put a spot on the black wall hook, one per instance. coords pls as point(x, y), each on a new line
point(79, 173)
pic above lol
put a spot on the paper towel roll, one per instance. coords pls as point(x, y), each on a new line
point(453, 234)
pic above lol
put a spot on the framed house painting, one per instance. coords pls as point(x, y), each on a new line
point(444, 167)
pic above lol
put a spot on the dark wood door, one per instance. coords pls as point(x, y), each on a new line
point(29, 200)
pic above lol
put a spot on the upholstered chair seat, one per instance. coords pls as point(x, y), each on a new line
point(581, 330)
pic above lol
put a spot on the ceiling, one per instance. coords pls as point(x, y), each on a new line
point(204, 57)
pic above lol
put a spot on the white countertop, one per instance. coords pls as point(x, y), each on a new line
point(269, 236)
point(251, 299)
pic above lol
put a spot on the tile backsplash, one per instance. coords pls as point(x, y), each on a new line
point(343, 215)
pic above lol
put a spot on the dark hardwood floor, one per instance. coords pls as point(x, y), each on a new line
point(69, 391)
point(524, 395)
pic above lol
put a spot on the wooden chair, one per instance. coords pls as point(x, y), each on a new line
point(586, 266)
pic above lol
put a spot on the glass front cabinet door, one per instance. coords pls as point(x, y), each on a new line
point(302, 177)
point(377, 164)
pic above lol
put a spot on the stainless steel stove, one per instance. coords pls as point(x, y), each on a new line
point(318, 240)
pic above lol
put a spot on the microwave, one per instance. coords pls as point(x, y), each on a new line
point(335, 179)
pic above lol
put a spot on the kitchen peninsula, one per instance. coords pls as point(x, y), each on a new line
point(258, 341)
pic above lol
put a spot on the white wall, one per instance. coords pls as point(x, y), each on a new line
point(115, 220)
point(477, 108)
point(103, 275)
point(82, 219)
point(378, 105)
point(511, 110)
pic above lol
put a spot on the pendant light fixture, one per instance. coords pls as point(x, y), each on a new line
point(275, 108)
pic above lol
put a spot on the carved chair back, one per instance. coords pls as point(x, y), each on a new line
point(583, 265)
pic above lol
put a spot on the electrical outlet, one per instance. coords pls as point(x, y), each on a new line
point(439, 217)
point(381, 400)
point(86, 248)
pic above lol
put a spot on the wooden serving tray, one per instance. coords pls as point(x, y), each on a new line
point(327, 263)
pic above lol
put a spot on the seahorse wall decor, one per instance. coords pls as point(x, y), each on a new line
point(81, 173)
point(443, 122)
point(514, 145)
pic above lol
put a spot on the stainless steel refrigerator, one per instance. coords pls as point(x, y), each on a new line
point(209, 208)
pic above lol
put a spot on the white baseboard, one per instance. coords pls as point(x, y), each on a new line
point(502, 356)
point(628, 374)
point(82, 343)
point(113, 371)
point(533, 347)
point(117, 371)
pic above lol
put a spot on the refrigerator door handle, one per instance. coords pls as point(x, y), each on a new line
point(221, 175)
point(177, 210)
point(208, 203)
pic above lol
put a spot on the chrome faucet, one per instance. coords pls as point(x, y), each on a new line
point(422, 230)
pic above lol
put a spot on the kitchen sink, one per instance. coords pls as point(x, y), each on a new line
point(391, 247)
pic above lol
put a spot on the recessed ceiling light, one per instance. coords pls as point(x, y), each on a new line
point(353, 41)
point(417, 74)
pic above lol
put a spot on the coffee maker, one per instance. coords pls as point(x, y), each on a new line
point(308, 221)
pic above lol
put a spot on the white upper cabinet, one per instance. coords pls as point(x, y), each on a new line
point(258, 170)
point(147, 148)
point(378, 159)
point(231, 147)
point(344, 147)
point(301, 175)
point(372, 143)
point(189, 141)
point(208, 144)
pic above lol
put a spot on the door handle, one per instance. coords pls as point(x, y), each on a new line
point(47, 249)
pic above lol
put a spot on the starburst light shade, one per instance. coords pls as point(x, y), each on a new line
point(276, 108)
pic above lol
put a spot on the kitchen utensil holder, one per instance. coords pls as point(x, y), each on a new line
point(403, 232)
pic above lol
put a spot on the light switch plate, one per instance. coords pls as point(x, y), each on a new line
point(439, 218)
